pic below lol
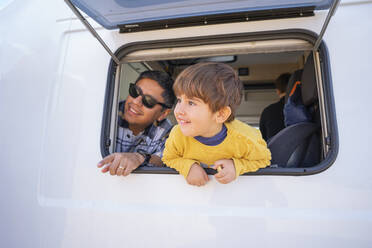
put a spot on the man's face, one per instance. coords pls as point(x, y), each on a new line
point(136, 114)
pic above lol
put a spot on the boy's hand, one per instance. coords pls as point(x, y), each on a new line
point(197, 176)
point(227, 172)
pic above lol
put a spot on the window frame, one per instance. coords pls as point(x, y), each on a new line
point(329, 105)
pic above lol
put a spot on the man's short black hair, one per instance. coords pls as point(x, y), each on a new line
point(282, 81)
point(165, 81)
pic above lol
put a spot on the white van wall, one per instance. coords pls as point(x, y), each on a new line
point(53, 75)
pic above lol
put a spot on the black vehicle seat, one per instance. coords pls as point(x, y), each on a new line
point(298, 145)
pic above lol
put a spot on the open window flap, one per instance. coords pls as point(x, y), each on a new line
point(113, 14)
point(139, 15)
point(265, 46)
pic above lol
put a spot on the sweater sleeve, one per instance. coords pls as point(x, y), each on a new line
point(173, 154)
point(256, 156)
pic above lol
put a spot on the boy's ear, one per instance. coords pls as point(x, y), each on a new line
point(223, 114)
point(163, 114)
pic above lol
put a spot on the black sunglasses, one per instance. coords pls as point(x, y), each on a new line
point(147, 100)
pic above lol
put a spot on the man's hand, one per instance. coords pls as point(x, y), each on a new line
point(121, 163)
point(197, 176)
point(227, 172)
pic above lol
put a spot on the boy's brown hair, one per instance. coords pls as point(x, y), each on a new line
point(217, 84)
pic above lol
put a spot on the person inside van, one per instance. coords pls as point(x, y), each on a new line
point(272, 118)
point(207, 135)
point(142, 124)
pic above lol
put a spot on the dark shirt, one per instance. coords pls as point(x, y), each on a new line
point(272, 119)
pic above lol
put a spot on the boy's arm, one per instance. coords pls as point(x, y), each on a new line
point(180, 164)
point(173, 154)
point(256, 156)
point(243, 165)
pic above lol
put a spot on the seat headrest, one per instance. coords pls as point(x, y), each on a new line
point(296, 76)
point(308, 82)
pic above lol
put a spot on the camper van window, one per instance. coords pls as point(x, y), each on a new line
point(301, 146)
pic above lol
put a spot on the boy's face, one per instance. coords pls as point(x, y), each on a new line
point(195, 117)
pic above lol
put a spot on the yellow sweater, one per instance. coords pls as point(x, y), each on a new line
point(243, 144)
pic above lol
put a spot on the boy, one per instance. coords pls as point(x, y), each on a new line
point(207, 96)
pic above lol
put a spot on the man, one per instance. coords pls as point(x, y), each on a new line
point(272, 118)
point(142, 125)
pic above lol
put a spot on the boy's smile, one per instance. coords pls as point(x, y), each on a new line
point(182, 121)
point(195, 117)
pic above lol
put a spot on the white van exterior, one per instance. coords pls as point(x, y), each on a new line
point(53, 76)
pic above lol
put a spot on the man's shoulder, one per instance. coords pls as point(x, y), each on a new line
point(159, 131)
point(165, 124)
